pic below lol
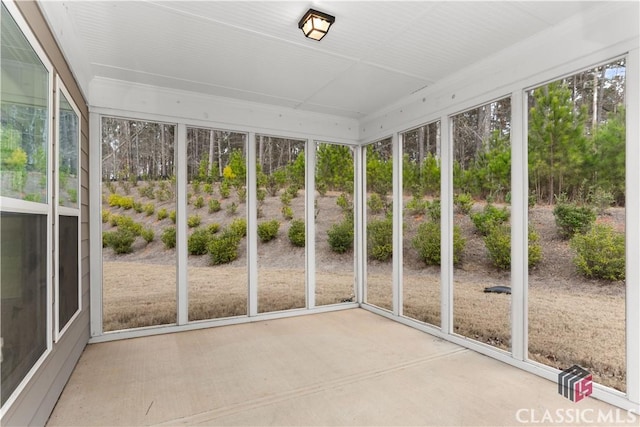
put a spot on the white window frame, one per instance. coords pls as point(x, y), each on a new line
point(65, 210)
point(9, 204)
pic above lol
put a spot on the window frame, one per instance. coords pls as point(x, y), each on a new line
point(66, 211)
point(13, 205)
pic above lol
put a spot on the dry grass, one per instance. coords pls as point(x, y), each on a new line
point(564, 327)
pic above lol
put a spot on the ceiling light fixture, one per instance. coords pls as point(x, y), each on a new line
point(315, 25)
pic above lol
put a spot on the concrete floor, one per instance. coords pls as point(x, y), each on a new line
point(348, 367)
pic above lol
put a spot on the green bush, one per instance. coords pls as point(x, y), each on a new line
point(380, 239)
point(194, 221)
point(149, 209)
point(225, 189)
point(292, 190)
point(214, 206)
point(463, 202)
point(213, 228)
point(195, 186)
point(344, 202)
point(427, 243)
point(238, 227)
point(137, 206)
point(433, 210)
point(121, 241)
point(146, 191)
point(297, 232)
point(600, 253)
point(199, 202)
point(148, 235)
point(287, 212)
point(198, 242)
point(285, 198)
point(268, 230)
point(489, 218)
point(261, 194)
point(375, 204)
point(224, 248)
point(242, 194)
point(417, 206)
point(208, 188)
point(162, 214)
point(232, 208)
point(115, 200)
point(106, 238)
point(169, 237)
point(340, 236)
point(498, 243)
point(172, 216)
point(113, 219)
point(124, 222)
point(105, 215)
point(572, 219)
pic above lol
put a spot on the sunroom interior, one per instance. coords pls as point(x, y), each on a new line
point(465, 169)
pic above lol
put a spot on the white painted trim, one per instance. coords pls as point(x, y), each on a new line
point(66, 211)
point(182, 265)
point(95, 224)
point(396, 280)
point(252, 228)
point(446, 226)
point(362, 222)
point(310, 222)
point(519, 228)
point(632, 96)
point(359, 267)
point(212, 323)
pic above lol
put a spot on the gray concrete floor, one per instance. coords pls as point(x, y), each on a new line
point(348, 367)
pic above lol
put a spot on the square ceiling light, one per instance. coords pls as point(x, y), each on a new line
point(315, 25)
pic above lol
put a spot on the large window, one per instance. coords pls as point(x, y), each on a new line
point(217, 223)
point(25, 219)
point(576, 152)
point(281, 201)
point(379, 217)
point(68, 300)
point(139, 216)
point(481, 223)
point(421, 224)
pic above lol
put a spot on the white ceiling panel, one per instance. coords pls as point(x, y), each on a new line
point(375, 53)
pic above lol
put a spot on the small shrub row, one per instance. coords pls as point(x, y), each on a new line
point(572, 219)
point(427, 243)
point(490, 217)
point(115, 200)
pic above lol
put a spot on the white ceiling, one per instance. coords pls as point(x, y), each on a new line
point(375, 54)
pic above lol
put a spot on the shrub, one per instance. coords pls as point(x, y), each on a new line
point(297, 232)
point(149, 209)
point(224, 248)
point(195, 186)
point(285, 198)
point(194, 221)
point(172, 216)
point(238, 227)
point(106, 238)
point(148, 235)
point(427, 243)
point(292, 190)
point(601, 199)
point(232, 209)
point(208, 188)
point(115, 200)
point(242, 194)
point(105, 215)
point(121, 241)
point(600, 253)
point(268, 230)
point(340, 236)
point(375, 204)
point(124, 222)
point(498, 243)
point(380, 239)
point(137, 206)
point(261, 194)
point(344, 203)
point(225, 189)
point(213, 228)
point(162, 214)
point(169, 237)
point(214, 206)
point(572, 219)
point(198, 242)
point(489, 218)
point(433, 210)
point(199, 202)
point(287, 212)
point(113, 219)
point(146, 191)
point(417, 206)
point(463, 202)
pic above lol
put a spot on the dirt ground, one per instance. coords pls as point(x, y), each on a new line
point(571, 319)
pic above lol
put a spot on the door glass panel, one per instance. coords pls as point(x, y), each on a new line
point(68, 269)
point(577, 203)
point(138, 224)
point(421, 226)
point(482, 233)
point(68, 139)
